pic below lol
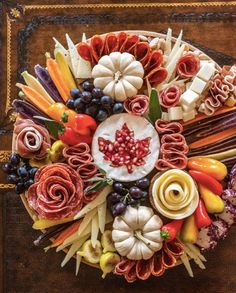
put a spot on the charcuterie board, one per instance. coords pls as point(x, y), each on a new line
point(121, 148)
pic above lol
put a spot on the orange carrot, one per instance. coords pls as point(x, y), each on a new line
point(57, 77)
point(201, 116)
point(213, 138)
point(34, 97)
point(64, 235)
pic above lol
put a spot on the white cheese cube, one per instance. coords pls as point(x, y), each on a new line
point(188, 108)
point(165, 116)
point(198, 85)
point(189, 115)
point(175, 113)
point(206, 72)
point(189, 97)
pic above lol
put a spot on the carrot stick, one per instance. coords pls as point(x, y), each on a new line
point(57, 77)
point(212, 138)
point(201, 116)
point(64, 235)
point(34, 97)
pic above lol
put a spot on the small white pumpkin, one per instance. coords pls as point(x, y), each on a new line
point(119, 75)
point(136, 234)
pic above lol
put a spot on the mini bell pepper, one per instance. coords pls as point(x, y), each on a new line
point(70, 137)
point(207, 180)
point(189, 231)
point(170, 230)
point(56, 110)
point(202, 218)
point(213, 203)
point(209, 166)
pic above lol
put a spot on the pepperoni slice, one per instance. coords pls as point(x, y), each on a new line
point(157, 76)
point(129, 44)
point(122, 267)
point(154, 62)
point(87, 170)
point(142, 52)
point(168, 259)
point(122, 36)
point(174, 247)
point(188, 65)
point(84, 51)
point(130, 274)
point(97, 46)
point(111, 43)
point(143, 269)
point(157, 266)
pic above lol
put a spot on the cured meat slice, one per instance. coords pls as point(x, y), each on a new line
point(137, 105)
point(157, 76)
point(122, 36)
point(123, 266)
point(157, 267)
point(165, 127)
point(32, 140)
point(172, 160)
point(129, 44)
point(174, 142)
point(84, 51)
point(174, 247)
point(170, 96)
point(188, 65)
point(87, 170)
point(111, 43)
point(168, 259)
point(131, 275)
point(143, 269)
point(142, 52)
point(155, 61)
point(57, 192)
point(97, 46)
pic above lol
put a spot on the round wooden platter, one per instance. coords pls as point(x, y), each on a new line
point(31, 212)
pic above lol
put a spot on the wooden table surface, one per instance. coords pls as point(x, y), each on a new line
point(27, 27)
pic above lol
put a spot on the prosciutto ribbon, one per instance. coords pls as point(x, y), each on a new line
point(32, 140)
point(170, 96)
point(137, 105)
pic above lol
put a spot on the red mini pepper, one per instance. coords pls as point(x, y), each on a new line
point(207, 180)
point(202, 218)
point(70, 137)
point(170, 230)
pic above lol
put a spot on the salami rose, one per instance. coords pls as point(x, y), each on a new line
point(57, 192)
point(170, 96)
point(188, 65)
point(137, 105)
point(32, 140)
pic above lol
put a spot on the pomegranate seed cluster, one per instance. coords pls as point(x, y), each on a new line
point(125, 150)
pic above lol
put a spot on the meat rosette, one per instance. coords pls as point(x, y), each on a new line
point(32, 140)
point(57, 192)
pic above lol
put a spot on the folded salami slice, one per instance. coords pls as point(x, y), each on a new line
point(188, 65)
point(157, 266)
point(170, 96)
point(155, 61)
point(142, 52)
point(172, 160)
point(157, 76)
point(129, 44)
point(168, 259)
point(97, 46)
point(143, 269)
point(122, 36)
point(165, 127)
point(111, 43)
point(137, 105)
point(84, 51)
point(174, 247)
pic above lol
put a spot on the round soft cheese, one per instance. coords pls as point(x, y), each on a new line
point(142, 129)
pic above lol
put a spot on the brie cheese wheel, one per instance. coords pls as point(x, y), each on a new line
point(142, 129)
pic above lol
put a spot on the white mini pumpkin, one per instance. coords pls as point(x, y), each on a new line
point(119, 75)
point(136, 234)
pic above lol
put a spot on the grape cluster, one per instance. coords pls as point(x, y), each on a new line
point(125, 194)
point(93, 102)
point(19, 172)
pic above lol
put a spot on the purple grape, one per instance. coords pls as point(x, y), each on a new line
point(107, 101)
point(79, 105)
point(135, 192)
point(117, 108)
point(23, 172)
point(86, 97)
point(6, 168)
point(97, 93)
point(12, 178)
point(91, 110)
point(75, 93)
point(14, 159)
point(20, 188)
point(113, 197)
point(102, 115)
point(143, 183)
point(118, 209)
point(70, 103)
point(87, 86)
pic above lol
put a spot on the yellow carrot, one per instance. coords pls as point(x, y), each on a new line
point(34, 97)
point(45, 223)
point(213, 138)
point(65, 70)
point(57, 77)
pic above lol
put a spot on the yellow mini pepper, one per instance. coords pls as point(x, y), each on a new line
point(189, 231)
point(213, 203)
point(209, 166)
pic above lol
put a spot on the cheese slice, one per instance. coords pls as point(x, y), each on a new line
point(142, 129)
point(206, 72)
point(189, 97)
point(198, 85)
point(188, 115)
point(188, 108)
point(175, 113)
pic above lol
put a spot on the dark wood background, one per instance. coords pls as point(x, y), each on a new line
point(27, 269)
